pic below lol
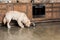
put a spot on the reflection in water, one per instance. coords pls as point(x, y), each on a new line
point(42, 31)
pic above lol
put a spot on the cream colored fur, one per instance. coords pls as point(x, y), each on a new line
point(20, 17)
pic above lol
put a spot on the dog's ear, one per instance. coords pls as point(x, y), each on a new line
point(28, 22)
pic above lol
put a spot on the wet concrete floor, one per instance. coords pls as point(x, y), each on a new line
point(42, 31)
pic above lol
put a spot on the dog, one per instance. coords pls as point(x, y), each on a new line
point(20, 17)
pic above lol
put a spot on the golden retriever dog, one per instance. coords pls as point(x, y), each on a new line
point(20, 17)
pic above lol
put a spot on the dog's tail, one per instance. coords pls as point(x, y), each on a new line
point(4, 20)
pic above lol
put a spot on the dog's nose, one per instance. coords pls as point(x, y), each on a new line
point(32, 24)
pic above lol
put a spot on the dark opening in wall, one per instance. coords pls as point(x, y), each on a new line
point(38, 10)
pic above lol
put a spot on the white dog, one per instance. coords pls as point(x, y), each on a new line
point(20, 17)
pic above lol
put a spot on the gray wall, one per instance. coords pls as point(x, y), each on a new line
point(34, 0)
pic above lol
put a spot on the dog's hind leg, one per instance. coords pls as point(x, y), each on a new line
point(4, 21)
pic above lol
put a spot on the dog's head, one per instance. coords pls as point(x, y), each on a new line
point(29, 23)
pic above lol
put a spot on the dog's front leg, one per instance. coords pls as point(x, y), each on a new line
point(8, 25)
point(20, 24)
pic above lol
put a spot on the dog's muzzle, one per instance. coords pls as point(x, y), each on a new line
point(32, 24)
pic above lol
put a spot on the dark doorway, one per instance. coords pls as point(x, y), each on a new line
point(38, 10)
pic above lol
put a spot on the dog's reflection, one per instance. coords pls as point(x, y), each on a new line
point(20, 32)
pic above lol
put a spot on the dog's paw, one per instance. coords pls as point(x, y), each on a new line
point(9, 27)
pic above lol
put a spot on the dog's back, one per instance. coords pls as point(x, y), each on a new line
point(14, 15)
